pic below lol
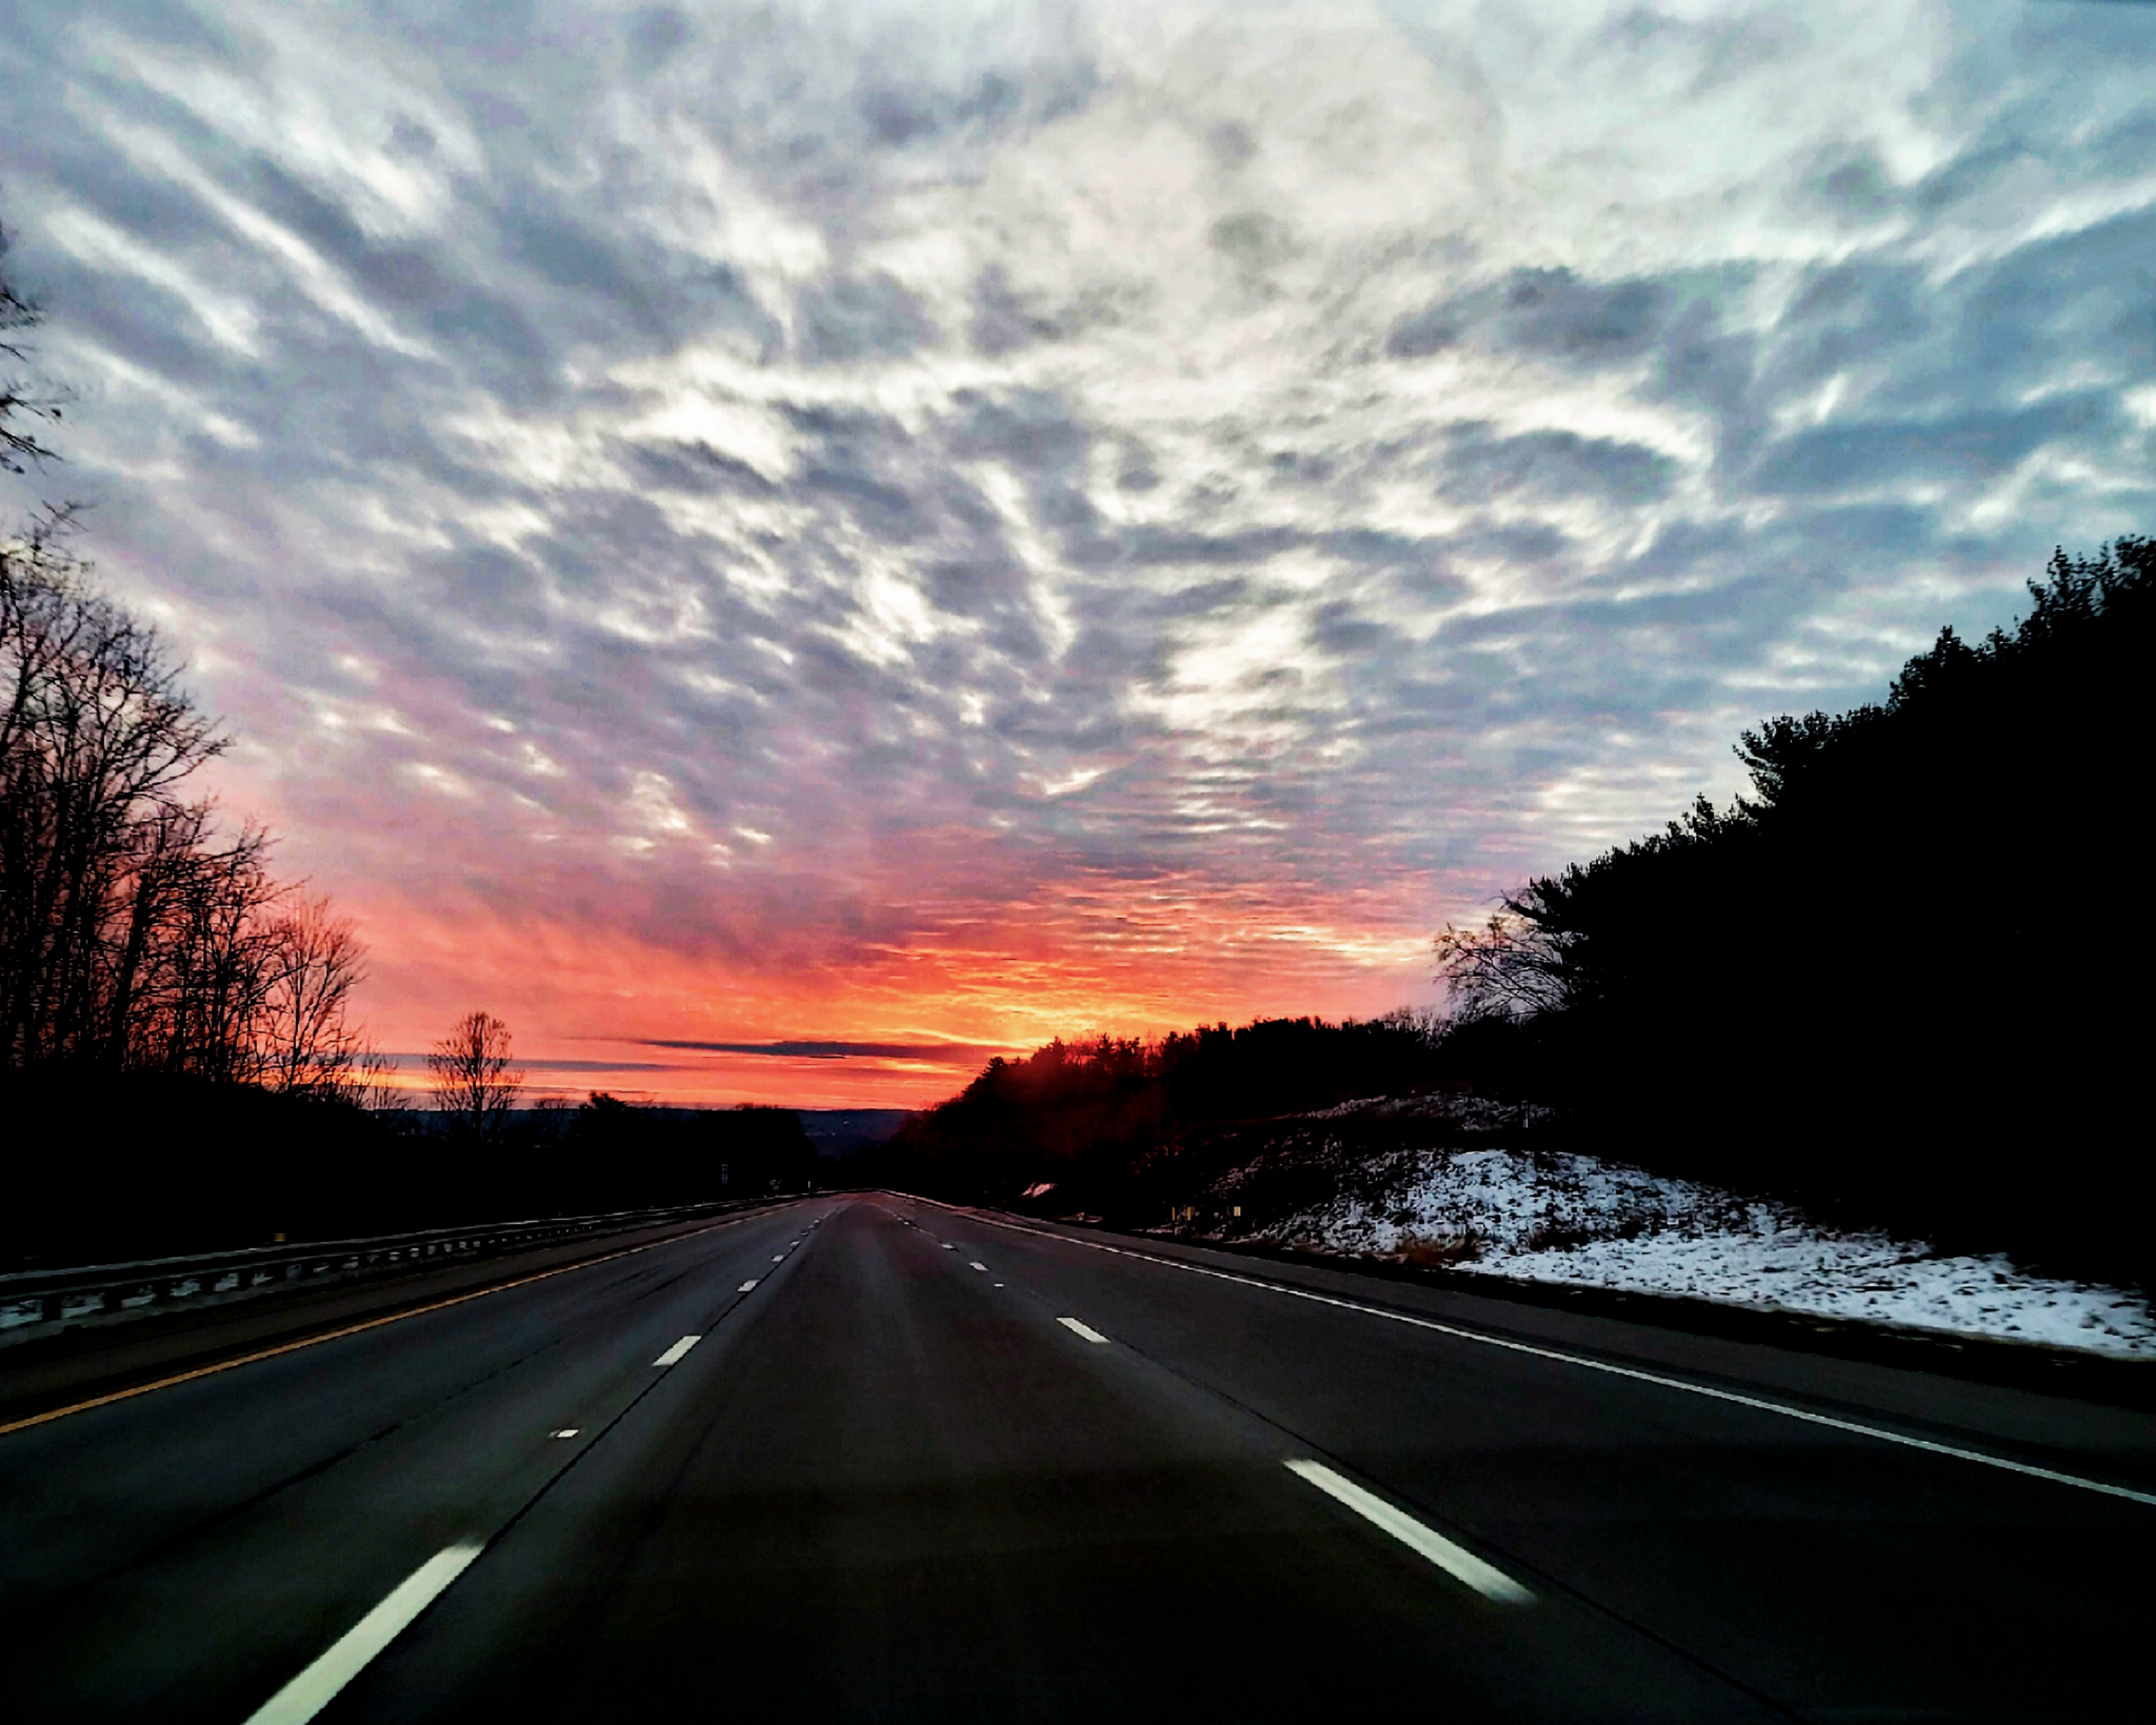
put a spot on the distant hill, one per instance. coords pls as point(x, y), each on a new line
point(839, 1132)
point(835, 1133)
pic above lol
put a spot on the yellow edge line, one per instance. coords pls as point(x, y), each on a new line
point(372, 1323)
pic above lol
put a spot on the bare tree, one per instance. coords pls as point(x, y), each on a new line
point(223, 962)
point(369, 1086)
point(474, 1083)
point(20, 401)
point(96, 737)
point(1512, 967)
point(137, 929)
point(315, 962)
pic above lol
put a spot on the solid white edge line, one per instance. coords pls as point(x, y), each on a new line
point(317, 1686)
point(673, 1355)
point(1456, 1561)
point(2028, 1470)
point(1082, 1329)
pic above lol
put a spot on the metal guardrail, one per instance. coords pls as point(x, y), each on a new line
point(37, 1302)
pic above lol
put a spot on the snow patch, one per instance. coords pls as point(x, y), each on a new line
point(1544, 1216)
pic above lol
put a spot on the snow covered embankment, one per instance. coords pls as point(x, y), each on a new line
point(1548, 1217)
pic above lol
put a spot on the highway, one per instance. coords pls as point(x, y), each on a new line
point(863, 1457)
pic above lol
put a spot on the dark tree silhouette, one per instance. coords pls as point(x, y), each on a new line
point(22, 405)
point(1092, 1117)
point(474, 1085)
point(137, 932)
point(1903, 976)
point(613, 1152)
point(309, 1042)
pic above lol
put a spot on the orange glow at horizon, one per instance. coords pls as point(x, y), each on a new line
point(588, 1007)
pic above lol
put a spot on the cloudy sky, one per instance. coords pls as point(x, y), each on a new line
point(782, 547)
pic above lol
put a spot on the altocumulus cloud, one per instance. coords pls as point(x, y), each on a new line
point(926, 521)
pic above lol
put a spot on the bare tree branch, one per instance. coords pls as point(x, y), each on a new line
point(21, 401)
point(473, 1082)
point(315, 962)
point(1512, 967)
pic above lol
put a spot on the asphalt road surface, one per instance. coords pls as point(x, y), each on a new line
point(865, 1458)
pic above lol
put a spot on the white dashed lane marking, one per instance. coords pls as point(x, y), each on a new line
point(747, 1286)
point(673, 1355)
point(1085, 1330)
point(307, 1694)
point(1885, 1434)
point(1455, 1560)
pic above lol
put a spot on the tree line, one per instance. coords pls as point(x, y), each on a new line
point(1115, 1124)
point(603, 1152)
point(1902, 980)
point(179, 1066)
point(632, 1154)
point(140, 930)
point(1903, 976)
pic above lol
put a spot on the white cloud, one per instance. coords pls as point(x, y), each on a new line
point(1405, 439)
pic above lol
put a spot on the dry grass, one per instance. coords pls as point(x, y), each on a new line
point(1437, 1254)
